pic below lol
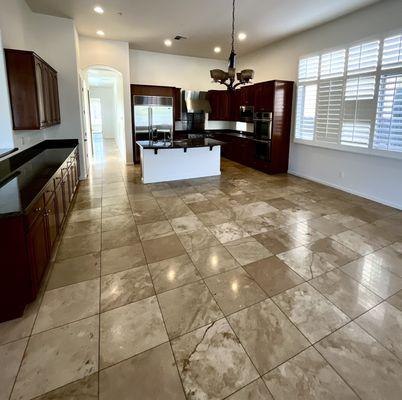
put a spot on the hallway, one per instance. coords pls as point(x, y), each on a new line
point(243, 286)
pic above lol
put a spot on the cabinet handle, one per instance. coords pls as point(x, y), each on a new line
point(38, 209)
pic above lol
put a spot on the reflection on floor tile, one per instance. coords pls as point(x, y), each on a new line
point(151, 375)
point(311, 312)
point(396, 300)
point(307, 376)
point(129, 330)
point(187, 308)
point(212, 363)
point(267, 335)
point(57, 357)
point(350, 351)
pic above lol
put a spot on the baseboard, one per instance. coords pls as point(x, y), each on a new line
point(347, 190)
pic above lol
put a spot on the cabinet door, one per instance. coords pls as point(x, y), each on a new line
point(51, 221)
point(263, 96)
point(247, 96)
point(46, 87)
point(66, 188)
point(40, 93)
point(38, 249)
point(177, 103)
point(213, 101)
point(59, 197)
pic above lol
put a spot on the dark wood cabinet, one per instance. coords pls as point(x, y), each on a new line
point(263, 96)
point(33, 89)
point(220, 101)
point(29, 239)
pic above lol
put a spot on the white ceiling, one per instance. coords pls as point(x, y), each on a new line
point(207, 23)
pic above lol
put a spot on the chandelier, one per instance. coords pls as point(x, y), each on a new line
point(228, 78)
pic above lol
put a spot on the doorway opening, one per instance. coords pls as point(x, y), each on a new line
point(105, 110)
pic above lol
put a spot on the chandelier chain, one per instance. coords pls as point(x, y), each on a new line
point(233, 24)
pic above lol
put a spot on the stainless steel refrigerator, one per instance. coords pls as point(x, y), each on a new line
point(153, 119)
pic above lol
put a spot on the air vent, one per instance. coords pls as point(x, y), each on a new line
point(179, 37)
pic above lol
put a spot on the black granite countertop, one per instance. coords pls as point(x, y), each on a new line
point(180, 144)
point(24, 175)
point(229, 132)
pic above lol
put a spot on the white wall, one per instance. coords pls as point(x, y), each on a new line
point(377, 178)
point(191, 73)
point(113, 54)
point(108, 101)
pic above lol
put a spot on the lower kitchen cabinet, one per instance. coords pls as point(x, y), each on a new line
point(30, 238)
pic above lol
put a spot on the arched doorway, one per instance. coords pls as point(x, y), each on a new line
point(103, 101)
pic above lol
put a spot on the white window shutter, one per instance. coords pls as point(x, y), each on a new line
point(305, 111)
point(363, 57)
point(392, 52)
point(388, 129)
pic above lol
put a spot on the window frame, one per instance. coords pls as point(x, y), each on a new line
point(377, 73)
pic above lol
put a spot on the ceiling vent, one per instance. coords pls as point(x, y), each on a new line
point(179, 37)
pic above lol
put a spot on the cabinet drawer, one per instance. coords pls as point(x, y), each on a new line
point(35, 210)
point(49, 191)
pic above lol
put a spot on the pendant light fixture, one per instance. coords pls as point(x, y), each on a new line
point(228, 78)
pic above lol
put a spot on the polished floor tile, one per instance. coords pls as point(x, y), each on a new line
point(82, 228)
point(375, 277)
point(273, 275)
point(199, 239)
point(247, 250)
point(307, 376)
point(306, 263)
point(187, 308)
point(79, 246)
point(130, 330)
point(311, 312)
point(234, 290)
point(121, 258)
point(74, 270)
point(253, 391)
point(119, 238)
point(267, 335)
point(347, 294)
point(384, 322)
point(396, 300)
point(173, 272)
point(213, 260)
point(67, 304)
point(389, 257)
point(125, 287)
point(350, 351)
point(57, 357)
point(155, 230)
point(358, 243)
point(118, 222)
point(212, 363)
point(278, 241)
point(162, 248)
point(151, 375)
point(186, 224)
point(228, 232)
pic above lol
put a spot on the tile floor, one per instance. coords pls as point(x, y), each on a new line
point(244, 286)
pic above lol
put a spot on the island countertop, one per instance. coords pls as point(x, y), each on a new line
point(179, 144)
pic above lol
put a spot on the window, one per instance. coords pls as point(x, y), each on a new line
point(351, 97)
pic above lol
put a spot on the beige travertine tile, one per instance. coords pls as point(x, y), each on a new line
point(228, 232)
point(118, 222)
point(303, 233)
point(187, 308)
point(277, 241)
point(396, 300)
point(119, 238)
point(200, 239)
point(162, 248)
point(202, 206)
point(350, 351)
point(359, 243)
point(305, 263)
point(247, 250)
point(121, 258)
point(85, 215)
point(57, 357)
point(186, 224)
point(155, 230)
point(212, 363)
point(307, 376)
point(234, 290)
point(173, 272)
point(84, 389)
point(125, 287)
point(67, 304)
point(389, 257)
point(253, 391)
point(79, 246)
point(151, 375)
point(213, 260)
point(346, 293)
point(82, 228)
point(74, 270)
point(311, 312)
point(10, 356)
point(130, 330)
point(114, 210)
point(384, 322)
point(375, 277)
point(267, 335)
point(273, 275)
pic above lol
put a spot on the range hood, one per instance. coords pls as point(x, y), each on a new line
point(195, 102)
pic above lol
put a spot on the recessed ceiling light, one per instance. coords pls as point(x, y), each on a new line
point(217, 49)
point(99, 10)
point(100, 33)
point(242, 36)
point(168, 42)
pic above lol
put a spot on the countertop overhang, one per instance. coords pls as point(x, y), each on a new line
point(179, 144)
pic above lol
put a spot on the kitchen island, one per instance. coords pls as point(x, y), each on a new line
point(180, 159)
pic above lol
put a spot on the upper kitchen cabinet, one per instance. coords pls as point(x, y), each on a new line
point(264, 96)
point(220, 101)
point(33, 88)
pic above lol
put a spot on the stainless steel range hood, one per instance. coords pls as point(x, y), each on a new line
point(195, 102)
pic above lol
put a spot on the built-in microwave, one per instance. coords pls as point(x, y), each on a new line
point(247, 113)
